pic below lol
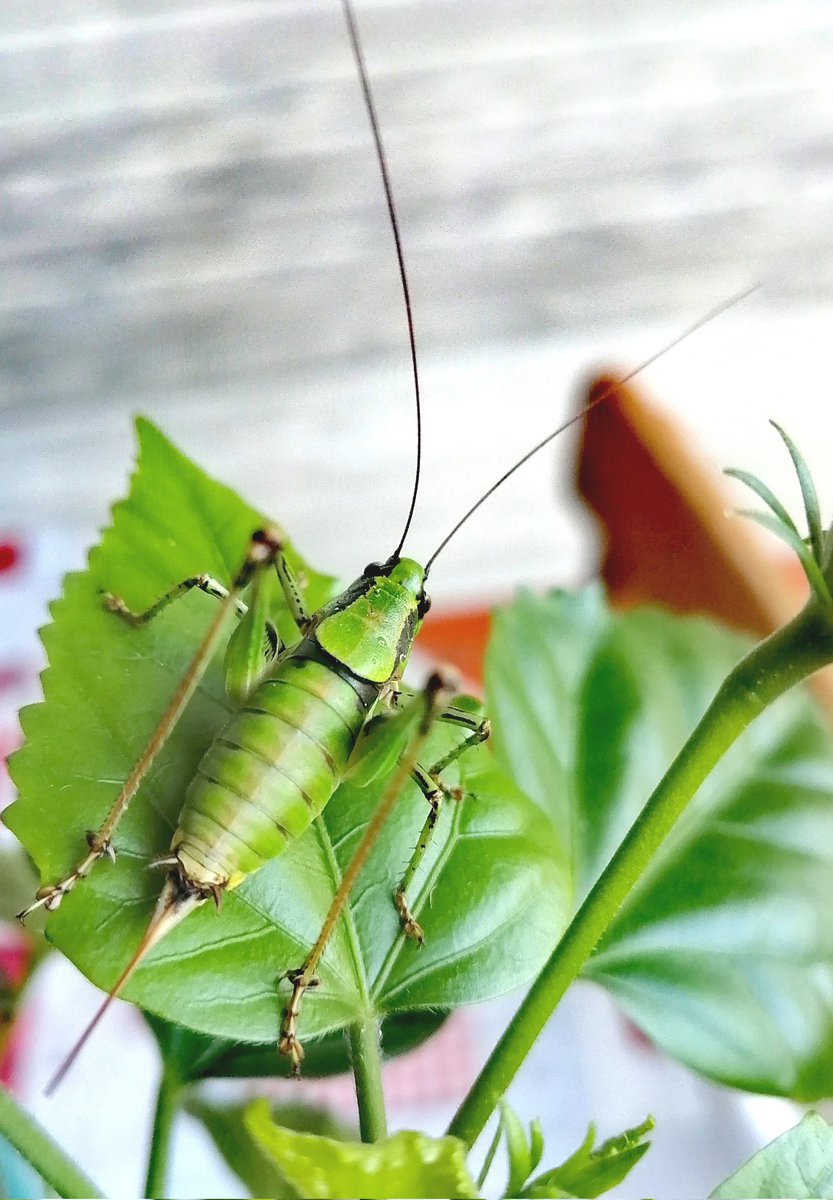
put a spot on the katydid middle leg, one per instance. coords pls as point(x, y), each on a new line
point(435, 791)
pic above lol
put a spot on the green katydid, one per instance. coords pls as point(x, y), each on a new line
point(306, 718)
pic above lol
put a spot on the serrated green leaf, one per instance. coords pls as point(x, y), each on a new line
point(490, 896)
point(798, 1164)
point(258, 1170)
point(724, 953)
point(590, 1172)
point(405, 1165)
point(808, 492)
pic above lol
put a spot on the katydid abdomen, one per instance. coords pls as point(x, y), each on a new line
point(271, 770)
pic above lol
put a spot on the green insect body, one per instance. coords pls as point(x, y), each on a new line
point(270, 772)
point(303, 723)
point(273, 768)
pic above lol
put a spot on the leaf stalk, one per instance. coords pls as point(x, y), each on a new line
point(167, 1107)
point(366, 1059)
point(35, 1145)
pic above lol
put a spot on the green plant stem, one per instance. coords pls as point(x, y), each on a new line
point(35, 1145)
point(367, 1072)
point(490, 1154)
point(167, 1106)
point(774, 666)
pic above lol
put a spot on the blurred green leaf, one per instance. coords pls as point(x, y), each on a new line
point(798, 1164)
point(18, 1181)
point(405, 1165)
point(536, 1143)
point(723, 953)
point(766, 494)
point(804, 553)
point(255, 1167)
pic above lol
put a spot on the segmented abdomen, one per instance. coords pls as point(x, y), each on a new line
point(269, 772)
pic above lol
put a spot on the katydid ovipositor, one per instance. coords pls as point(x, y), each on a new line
point(207, 855)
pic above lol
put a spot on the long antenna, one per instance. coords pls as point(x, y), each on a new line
point(605, 394)
point(358, 55)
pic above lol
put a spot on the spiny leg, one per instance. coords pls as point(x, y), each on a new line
point(292, 593)
point(434, 697)
point(435, 791)
point(212, 587)
point(262, 550)
point(205, 583)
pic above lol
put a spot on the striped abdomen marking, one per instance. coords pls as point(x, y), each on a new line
point(269, 772)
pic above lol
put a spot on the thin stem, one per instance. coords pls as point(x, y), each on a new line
point(35, 1145)
point(785, 658)
point(167, 1106)
point(490, 1154)
point(367, 1072)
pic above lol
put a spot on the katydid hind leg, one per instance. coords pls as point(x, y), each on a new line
point(100, 842)
point(252, 646)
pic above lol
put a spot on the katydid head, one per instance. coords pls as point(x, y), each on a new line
point(408, 574)
point(411, 577)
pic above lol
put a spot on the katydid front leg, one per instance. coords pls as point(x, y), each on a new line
point(205, 583)
point(265, 550)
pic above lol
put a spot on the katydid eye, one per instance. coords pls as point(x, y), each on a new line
point(373, 568)
point(423, 605)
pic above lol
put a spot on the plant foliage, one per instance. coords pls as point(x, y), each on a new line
point(490, 897)
point(799, 1164)
point(723, 953)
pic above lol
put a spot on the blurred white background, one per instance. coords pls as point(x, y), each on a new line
point(192, 227)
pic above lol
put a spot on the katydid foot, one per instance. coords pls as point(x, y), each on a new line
point(50, 896)
point(288, 1042)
